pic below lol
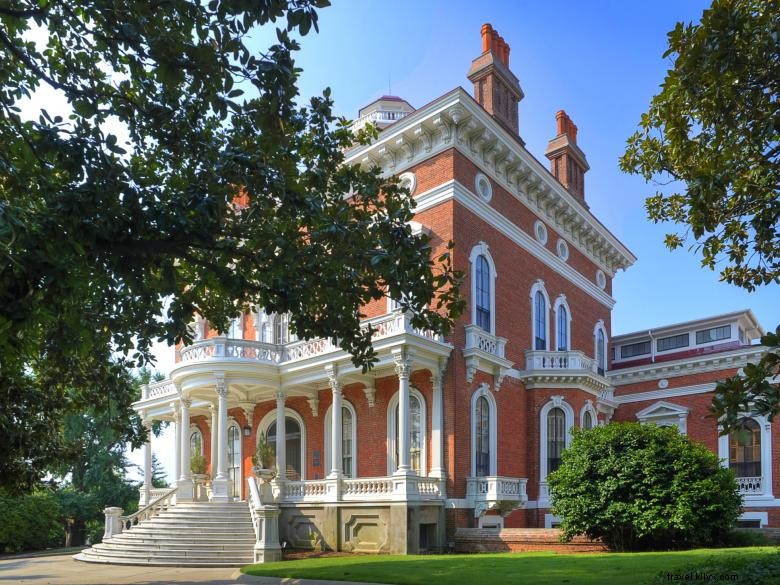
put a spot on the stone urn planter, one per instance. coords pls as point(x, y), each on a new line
point(201, 482)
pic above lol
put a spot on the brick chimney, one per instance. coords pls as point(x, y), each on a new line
point(495, 87)
point(567, 161)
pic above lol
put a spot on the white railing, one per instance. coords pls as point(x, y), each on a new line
point(159, 389)
point(306, 348)
point(301, 491)
point(430, 487)
point(373, 489)
point(496, 488)
point(379, 116)
point(254, 502)
point(149, 511)
point(367, 487)
point(750, 485)
point(559, 360)
point(224, 347)
point(478, 338)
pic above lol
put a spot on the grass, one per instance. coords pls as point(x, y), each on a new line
point(542, 568)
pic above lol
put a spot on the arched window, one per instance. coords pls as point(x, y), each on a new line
point(234, 461)
point(556, 438)
point(600, 349)
point(483, 289)
point(417, 453)
point(483, 293)
point(482, 437)
point(562, 324)
point(293, 444)
point(587, 420)
point(540, 321)
point(745, 448)
point(348, 440)
point(196, 441)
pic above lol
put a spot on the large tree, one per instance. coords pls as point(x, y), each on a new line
point(187, 172)
point(711, 138)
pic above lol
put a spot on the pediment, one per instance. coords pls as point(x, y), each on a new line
point(662, 410)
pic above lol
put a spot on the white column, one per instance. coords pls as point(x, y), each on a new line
point(437, 423)
point(403, 368)
point(335, 430)
point(177, 449)
point(213, 434)
point(147, 488)
point(281, 438)
point(184, 485)
point(219, 485)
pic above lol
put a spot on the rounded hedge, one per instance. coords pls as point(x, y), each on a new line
point(639, 486)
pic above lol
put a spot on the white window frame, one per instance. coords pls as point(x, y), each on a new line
point(196, 429)
point(665, 414)
point(236, 328)
point(198, 328)
point(482, 249)
point(270, 418)
point(232, 423)
point(538, 286)
point(568, 411)
point(766, 457)
point(484, 391)
point(592, 410)
point(561, 302)
point(392, 464)
point(328, 427)
point(600, 326)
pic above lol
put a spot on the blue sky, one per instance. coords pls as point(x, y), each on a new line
point(600, 61)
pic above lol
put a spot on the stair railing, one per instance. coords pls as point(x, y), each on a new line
point(147, 512)
point(254, 502)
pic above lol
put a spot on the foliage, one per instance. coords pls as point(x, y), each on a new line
point(165, 192)
point(641, 486)
point(198, 463)
point(714, 130)
point(752, 391)
point(539, 568)
point(747, 537)
point(264, 456)
point(31, 521)
point(159, 476)
point(749, 570)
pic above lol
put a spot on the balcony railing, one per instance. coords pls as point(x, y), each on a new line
point(559, 361)
point(379, 117)
point(751, 486)
point(478, 338)
point(360, 489)
point(496, 488)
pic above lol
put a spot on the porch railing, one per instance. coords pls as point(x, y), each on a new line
point(374, 489)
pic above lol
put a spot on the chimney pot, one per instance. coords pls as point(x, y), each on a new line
point(487, 31)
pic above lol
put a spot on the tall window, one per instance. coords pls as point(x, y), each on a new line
point(483, 293)
point(562, 335)
point(234, 461)
point(587, 420)
point(601, 351)
point(556, 438)
point(282, 329)
point(293, 446)
point(540, 321)
point(236, 328)
point(346, 441)
point(196, 442)
point(415, 435)
point(482, 439)
point(745, 449)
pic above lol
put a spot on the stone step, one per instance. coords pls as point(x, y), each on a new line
point(183, 540)
point(224, 561)
point(237, 547)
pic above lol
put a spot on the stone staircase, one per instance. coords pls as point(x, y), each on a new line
point(188, 534)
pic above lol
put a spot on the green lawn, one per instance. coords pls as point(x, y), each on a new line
point(502, 569)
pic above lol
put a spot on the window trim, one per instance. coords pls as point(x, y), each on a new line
point(589, 408)
point(483, 391)
point(561, 302)
point(233, 423)
point(482, 249)
point(392, 431)
point(538, 286)
point(600, 327)
point(766, 457)
point(270, 417)
point(568, 411)
point(327, 446)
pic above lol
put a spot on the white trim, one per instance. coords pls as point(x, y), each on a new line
point(665, 414)
point(484, 391)
point(540, 232)
point(328, 422)
point(766, 457)
point(270, 418)
point(234, 424)
point(482, 249)
point(561, 302)
point(588, 407)
point(762, 517)
point(568, 411)
point(562, 248)
point(409, 177)
point(550, 519)
point(538, 286)
point(666, 393)
point(236, 328)
point(489, 187)
point(392, 404)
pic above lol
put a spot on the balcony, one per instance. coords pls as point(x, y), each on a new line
point(562, 369)
point(362, 489)
point(380, 118)
point(485, 352)
point(504, 494)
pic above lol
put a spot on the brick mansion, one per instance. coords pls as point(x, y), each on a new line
point(444, 433)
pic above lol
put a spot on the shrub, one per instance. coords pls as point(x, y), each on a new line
point(641, 487)
point(30, 522)
point(745, 570)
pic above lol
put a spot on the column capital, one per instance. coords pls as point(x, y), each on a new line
point(175, 409)
point(403, 363)
point(186, 402)
point(147, 423)
point(221, 387)
point(332, 372)
point(281, 396)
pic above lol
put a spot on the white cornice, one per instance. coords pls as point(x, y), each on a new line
point(478, 206)
point(665, 393)
point(455, 120)
point(687, 366)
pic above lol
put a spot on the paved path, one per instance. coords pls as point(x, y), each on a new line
point(63, 570)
